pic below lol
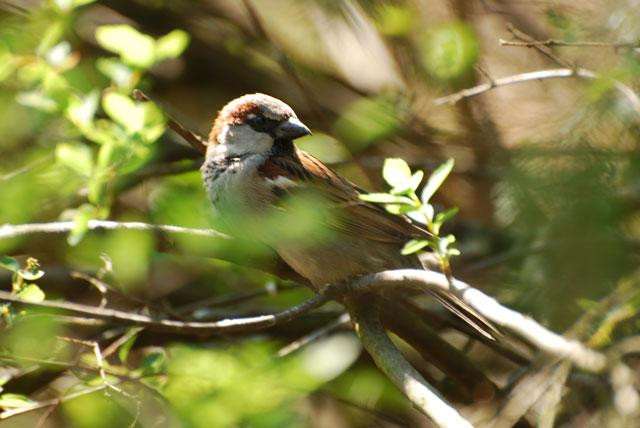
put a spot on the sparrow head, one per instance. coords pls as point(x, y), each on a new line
point(252, 123)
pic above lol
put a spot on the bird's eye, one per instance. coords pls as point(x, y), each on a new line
point(257, 121)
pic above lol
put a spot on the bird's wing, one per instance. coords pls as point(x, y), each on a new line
point(354, 216)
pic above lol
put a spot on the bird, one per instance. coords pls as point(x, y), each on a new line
point(252, 167)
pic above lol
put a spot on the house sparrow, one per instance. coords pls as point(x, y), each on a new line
point(252, 164)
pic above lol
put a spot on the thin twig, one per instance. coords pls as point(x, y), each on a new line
point(563, 43)
point(314, 335)
point(116, 344)
point(544, 50)
point(194, 140)
point(15, 230)
point(48, 403)
point(554, 73)
point(97, 284)
point(180, 327)
point(398, 370)
point(525, 327)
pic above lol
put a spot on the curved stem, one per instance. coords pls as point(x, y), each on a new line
point(389, 359)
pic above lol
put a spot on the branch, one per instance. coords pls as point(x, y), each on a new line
point(554, 42)
point(555, 73)
point(398, 370)
point(15, 230)
point(194, 140)
point(525, 327)
point(49, 403)
point(173, 326)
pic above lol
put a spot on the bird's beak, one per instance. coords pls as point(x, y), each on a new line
point(291, 129)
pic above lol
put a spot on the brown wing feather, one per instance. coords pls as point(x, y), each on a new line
point(358, 217)
point(364, 219)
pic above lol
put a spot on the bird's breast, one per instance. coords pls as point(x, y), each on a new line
point(232, 183)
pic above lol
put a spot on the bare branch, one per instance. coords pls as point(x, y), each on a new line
point(525, 327)
point(194, 140)
point(584, 44)
point(15, 230)
point(50, 403)
point(398, 370)
point(555, 73)
point(314, 335)
point(180, 327)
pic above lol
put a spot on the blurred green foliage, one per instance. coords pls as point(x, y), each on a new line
point(551, 213)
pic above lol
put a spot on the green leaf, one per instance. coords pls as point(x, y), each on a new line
point(414, 246)
point(428, 211)
point(385, 198)
point(31, 292)
point(7, 62)
point(134, 48)
point(436, 179)
point(123, 352)
point(416, 179)
point(171, 45)
point(9, 263)
point(15, 401)
point(80, 224)
point(118, 72)
point(81, 110)
point(31, 275)
point(450, 50)
point(75, 156)
point(443, 217)
point(37, 100)
point(396, 173)
point(408, 186)
point(152, 364)
point(401, 209)
point(124, 111)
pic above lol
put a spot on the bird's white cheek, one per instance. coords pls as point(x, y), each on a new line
point(242, 139)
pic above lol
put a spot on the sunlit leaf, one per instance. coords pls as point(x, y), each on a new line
point(80, 224)
point(442, 217)
point(7, 62)
point(9, 263)
point(416, 179)
point(75, 156)
point(133, 47)
point(31, 292)
point(436, 179)
point(15, 401)
point(396, 172)
point(414, 246)
point(58, 55)
point(81, 110)
point(124, 110)
point(31, 275)
point(171, 45)
point(450, 50)
point(385, 198)
point(398, 209)
point(117, 71)
point(123, 352)
point(152, 364)
point(51, 37)
point(38, 100)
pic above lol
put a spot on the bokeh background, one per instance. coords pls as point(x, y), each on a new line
point(546, 178)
